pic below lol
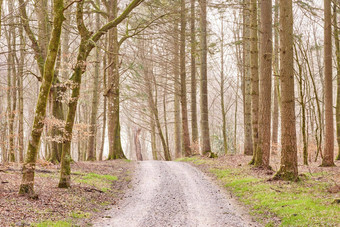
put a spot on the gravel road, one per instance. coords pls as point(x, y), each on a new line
point(173, 194)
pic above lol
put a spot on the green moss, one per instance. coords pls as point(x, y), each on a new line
point(195, 159)
point(304, 203)
point(80, 214)
point(49, 223)
point(101, 182)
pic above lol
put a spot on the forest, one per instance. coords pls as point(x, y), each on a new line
point(139, 112)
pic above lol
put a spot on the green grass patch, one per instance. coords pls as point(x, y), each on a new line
point(49, 223)
point(80, 214)
point(101, 182)
point(305, 203)
point(195, 159)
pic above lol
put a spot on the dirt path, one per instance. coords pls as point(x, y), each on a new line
point(173, 194)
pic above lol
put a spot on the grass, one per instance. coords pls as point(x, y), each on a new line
point(49, 223)
point(306, 203)
point(80, 214)
point(101, 182)
point(194, 159)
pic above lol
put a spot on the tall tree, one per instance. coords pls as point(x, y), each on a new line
point(289, 168)
point(337, 52)
point(87, 43)
point(113, 91)
point(263, 147)
point(328, 156)
point(28, 169)
point(205, 140)
point(248, 141)
point(185, 127)
point(254, 69)
point(194, 126)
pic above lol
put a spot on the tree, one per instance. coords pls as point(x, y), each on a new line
point(87, 43)
point(254, 69)
point(205, 135)
point(185, 127)
point(288, 168)
point(194, 126)
point(263, 147)
point(337, 52)
point(248, 141)
point(28, 169)
point(328, 157)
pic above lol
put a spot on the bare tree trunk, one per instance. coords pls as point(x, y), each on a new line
point(113, 90)
point(205, 141)
point(93, 124)
point(275, 120)
point(177, 113)
point(263, 148)
point(248, 142)
point(194, 126)
point(328, 158)
point(138, 146)
point(337, 52)
point(288, 169)
point(27, 184)
point(21, 96)
point(254, 68)
point(185, 128)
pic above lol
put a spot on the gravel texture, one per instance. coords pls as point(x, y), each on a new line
point(173, 194)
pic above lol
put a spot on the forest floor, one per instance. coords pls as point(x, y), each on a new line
point(312, 201)
point(95, 187)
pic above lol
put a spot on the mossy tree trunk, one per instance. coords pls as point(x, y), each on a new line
point(87, 43)
point(27, 184)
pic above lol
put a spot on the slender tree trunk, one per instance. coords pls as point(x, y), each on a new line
point(185, 128)
point(138, 146)
point(93, 124)
point(21, 96)
point(205, 141)
point(288, 169)
point(194, 125)
point(337, 52)
point(177, 113)
point(263, 148)
point(223, 112)
point(248, 142)
point(275, 120)
point(28, 169)
point(254, 69)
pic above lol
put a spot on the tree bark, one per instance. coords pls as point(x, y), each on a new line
point(185, 128)
point(205, 140)
point(248, 142)
point(194, 125)
point(263, 148)
point(328, 157)
point(288, 168)
point(337, 52)
point(27, 184)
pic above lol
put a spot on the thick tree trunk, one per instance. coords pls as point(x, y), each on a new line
point(28, 169)
point(328, 157)
point(205, 141)
point(263, 148)
point(288, 169)
point(113, 91)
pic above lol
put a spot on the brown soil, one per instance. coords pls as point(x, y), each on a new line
point(59, 204)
